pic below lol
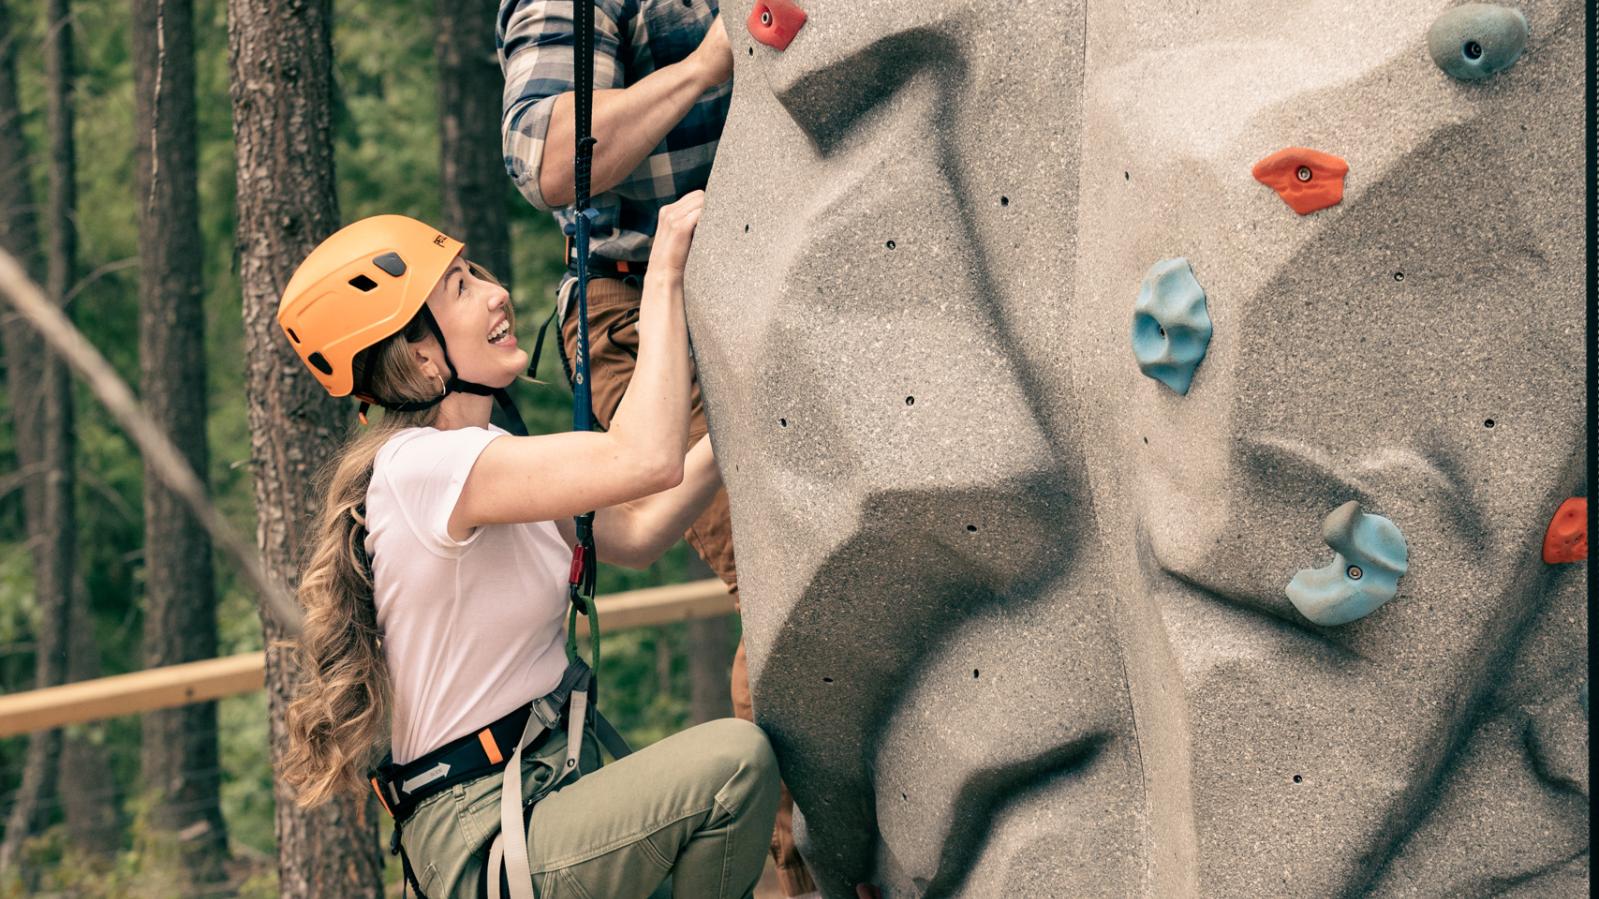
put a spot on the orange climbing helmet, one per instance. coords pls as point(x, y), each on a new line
point(361, 285)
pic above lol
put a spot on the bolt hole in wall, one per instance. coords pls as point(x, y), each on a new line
point(1127, 176)
point(1399, 276)
point(975, 673)
point(910, 401)
point(971, 529)
point(890, 245)
point(746, 229)
point(1004, 201)
point(1299, 778)
point(827, 680)
point(1488, 423)
point(782, 422)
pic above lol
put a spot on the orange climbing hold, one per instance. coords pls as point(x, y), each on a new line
point(1567, 537)
point(775, 22)
point(1307, 180)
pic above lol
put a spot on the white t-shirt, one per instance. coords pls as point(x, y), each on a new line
point(471, 628)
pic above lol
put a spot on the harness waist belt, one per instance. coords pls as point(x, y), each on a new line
point(401, 788)
point(603, 267)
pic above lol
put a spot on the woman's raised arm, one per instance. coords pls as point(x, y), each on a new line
point(561, 475)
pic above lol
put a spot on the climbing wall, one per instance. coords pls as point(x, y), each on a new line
point(1155, 436)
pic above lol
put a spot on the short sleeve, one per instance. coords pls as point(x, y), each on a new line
point(425, 471)
point(535, 40)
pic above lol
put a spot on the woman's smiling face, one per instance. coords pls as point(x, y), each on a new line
point(479, 323)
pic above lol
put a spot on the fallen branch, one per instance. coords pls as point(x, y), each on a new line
point(168, 464)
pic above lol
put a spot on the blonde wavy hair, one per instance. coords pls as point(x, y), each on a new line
point(338, 718)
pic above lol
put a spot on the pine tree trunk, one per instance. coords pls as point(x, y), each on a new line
point(91, 817)
point(178, 754)
point(472, 165)
point(710, 666)
point(24, 381)
point(710, 660)
point(280, 56)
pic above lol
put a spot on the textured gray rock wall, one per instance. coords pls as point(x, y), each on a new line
point(1017, 614)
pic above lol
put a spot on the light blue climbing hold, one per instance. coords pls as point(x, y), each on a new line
point(1475, 41)
point(1370, 556)
point(1171, 325)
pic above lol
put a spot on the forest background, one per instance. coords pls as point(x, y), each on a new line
point(97, 832)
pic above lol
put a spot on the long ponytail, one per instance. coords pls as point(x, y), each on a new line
point(338, 718)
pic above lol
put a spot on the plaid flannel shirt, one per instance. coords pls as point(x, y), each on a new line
point(632, 38)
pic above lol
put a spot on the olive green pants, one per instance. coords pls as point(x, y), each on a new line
point(698, 805)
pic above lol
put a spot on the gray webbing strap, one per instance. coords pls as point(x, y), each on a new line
point(576, 716)
point(518, 870)
point(496, 858)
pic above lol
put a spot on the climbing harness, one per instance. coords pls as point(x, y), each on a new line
point(402, 788)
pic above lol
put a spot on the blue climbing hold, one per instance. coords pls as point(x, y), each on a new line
point(1171, 325)
point(1369, 558)
point(1475, 41)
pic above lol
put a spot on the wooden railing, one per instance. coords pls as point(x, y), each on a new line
point(176, 685)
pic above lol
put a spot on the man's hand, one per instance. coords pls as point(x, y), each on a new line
point(714, 56)
point(674, 233)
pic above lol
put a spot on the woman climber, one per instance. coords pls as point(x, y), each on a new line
point(435, 590)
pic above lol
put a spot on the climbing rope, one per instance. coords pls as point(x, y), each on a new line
point(584, 563)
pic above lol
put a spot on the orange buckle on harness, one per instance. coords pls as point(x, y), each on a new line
point(382, 800)
point(490, 748)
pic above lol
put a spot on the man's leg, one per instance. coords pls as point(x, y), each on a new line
point(613, 350)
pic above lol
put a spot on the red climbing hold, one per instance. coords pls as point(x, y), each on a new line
point(775, 22)
point(1567, 537)
point(1307, 180)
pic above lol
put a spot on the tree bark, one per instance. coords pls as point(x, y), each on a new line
point(91, 819)
point(471, 163)
point(178, 753)
point(710, 666)
point(280, 59)
point(710, 659)
point(24, 381)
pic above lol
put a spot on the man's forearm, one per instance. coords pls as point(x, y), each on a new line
point(627, 124)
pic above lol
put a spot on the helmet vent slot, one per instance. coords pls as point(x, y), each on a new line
point(362, 283)
point(320, 363)
point(391, 263)
point(293, 336)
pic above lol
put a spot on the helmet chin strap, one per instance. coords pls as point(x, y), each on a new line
point(456, 384)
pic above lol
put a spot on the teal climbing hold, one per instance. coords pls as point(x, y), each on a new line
point(1475, 41)
point(1171, 324)
point(1369, 558)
